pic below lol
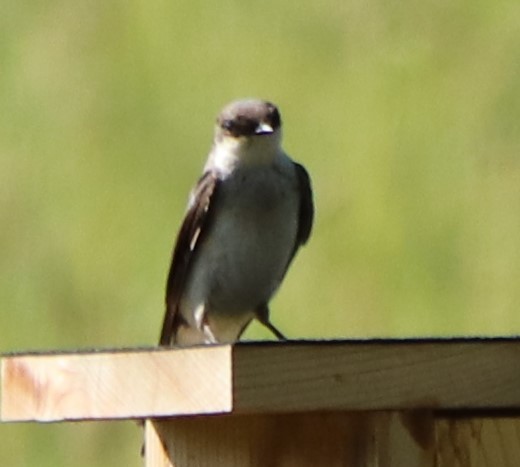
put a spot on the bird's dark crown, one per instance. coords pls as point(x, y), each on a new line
point(246, 117)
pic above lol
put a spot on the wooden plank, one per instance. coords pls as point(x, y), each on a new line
point(262, 378)
point(376, 375)
point(115, 385)
point(478, 442)
point(291, 440)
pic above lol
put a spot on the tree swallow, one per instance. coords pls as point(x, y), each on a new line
point(246, 218)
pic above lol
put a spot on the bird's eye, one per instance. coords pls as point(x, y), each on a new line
point(228, 125)
point(239, 126)
point(274, 117)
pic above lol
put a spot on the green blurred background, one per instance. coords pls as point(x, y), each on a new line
point(405, 113)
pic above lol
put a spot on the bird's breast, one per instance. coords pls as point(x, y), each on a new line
point(244, 255)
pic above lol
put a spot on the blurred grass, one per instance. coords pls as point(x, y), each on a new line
point(405, 113)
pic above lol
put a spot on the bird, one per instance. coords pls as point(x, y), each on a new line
point(247, 216)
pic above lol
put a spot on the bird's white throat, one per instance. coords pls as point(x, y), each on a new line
point(229, 153)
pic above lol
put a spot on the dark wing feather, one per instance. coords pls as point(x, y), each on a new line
point(306, 214)
point(305, 211)
point(305, 220)
point(190, 233)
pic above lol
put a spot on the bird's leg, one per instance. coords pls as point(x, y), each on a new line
point(274, 330)
point(262, 315)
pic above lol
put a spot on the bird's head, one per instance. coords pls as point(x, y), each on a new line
point(250, 129)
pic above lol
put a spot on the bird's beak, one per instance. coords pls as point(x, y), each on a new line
point(263, 129)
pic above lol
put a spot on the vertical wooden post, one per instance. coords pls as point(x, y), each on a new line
point(335, 439)
point(478, 442)
point(404, 438)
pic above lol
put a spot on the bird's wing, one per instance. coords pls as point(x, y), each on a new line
point(192, 230)
point(305, 220)
point(306, 209)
